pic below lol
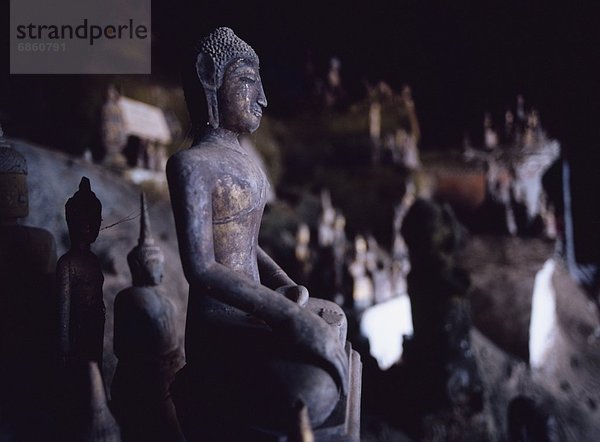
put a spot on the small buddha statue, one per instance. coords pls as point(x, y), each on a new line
point(145, 342)
point(114, 135)
point(255, 342)
point(79, 279)
point(27, 263)
point(362, 286)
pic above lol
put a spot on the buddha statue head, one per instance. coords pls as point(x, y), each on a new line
point(146, 260)
point(228, 70)
point(14, 195)
point(84, 214)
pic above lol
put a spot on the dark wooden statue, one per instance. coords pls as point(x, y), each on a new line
point(146, 344)
point(27, 263)
point(79, 277)
point(254, 339)
point(438, 357)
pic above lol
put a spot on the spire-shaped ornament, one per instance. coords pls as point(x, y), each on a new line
point(145, 238)
point(146, 260)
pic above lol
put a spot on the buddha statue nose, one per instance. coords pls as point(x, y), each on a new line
point(262, 99)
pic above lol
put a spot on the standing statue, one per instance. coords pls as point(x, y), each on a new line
point(255, 342)
point(146, 344)
point(80, 280)
point(362, 287)
point(27, 263)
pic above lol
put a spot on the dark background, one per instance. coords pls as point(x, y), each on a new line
point(460, 58)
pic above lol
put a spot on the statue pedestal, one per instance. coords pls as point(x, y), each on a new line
point(344, 422)
point(343, 425)
point(210, 407)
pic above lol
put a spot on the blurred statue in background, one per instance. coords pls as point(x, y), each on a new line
point(303, 253)
point(327, 277)
point(400, 257)
point(362, 287)
point(255, 342)
point(334, 92)
point(146, 344)
point(379, 265)
point(440, 351)
point(490, 137)
point(80, 279)
point(114, 136)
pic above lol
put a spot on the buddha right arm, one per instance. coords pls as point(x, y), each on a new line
point(191, 199)
point(274, 277)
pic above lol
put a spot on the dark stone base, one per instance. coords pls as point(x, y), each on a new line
point(207, 412)
point(343, 424)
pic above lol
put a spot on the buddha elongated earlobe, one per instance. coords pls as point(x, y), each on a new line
point(213, 109)
point(207, 73)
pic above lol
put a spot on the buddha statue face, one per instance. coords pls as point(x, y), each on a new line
point(14, 201)
point(241, 97)
point(83, 227)
point(84, 215)
point(14, 195)
point(147, 265)
point(228, 69)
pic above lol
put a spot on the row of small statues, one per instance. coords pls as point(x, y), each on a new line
point(37, 344)
point(393, 126)
point(361, 269)
point(515, 163)
point(521, 128)
point(145, 340)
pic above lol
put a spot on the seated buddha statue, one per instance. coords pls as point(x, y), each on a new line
point(255, 341)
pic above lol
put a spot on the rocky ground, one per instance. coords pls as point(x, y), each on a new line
point(502, 270)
